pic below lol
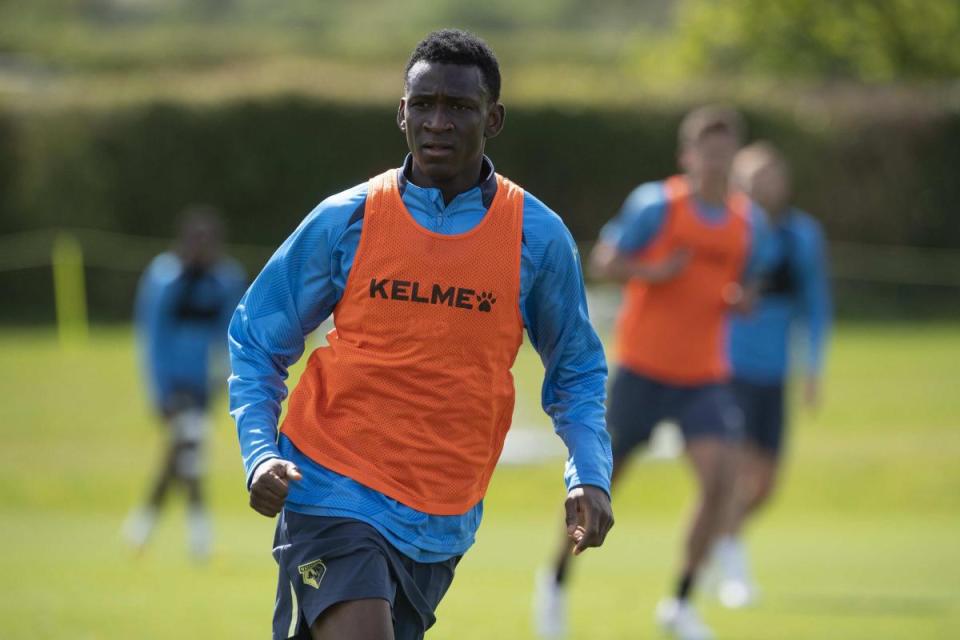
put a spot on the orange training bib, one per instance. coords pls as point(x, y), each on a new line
point(413, 395)
point(675, 331)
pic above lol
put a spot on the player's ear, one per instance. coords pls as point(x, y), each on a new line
point(401, 117)
point(495, 119)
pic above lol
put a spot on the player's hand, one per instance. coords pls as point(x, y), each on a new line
point(589, 517)
point(741, 299)
point(270, 484)
point(665, 270)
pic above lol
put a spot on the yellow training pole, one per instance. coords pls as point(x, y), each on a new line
point(69, 290)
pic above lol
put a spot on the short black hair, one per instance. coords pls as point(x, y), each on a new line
point(454, 46)
point(711, 118)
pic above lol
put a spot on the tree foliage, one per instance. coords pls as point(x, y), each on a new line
point(866, 40)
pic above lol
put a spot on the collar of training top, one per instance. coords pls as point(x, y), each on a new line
point(487, 183)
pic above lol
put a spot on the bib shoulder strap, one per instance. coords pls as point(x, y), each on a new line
point(382, 184)
point(512, 192)
point(380, 188)
point(677, 189)
point(509, 198)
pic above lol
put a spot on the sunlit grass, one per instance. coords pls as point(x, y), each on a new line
point(861, 542)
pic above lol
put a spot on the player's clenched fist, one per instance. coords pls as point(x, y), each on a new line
point(589, 517)
point(270, 484)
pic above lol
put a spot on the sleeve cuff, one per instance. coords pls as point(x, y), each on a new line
point(573, 478)
point(590, 484)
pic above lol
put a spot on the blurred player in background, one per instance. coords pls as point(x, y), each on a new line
point(684, 247)
point(184, 303)
point(795, 292)
point(431, 271)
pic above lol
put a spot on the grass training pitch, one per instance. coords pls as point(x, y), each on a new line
point(861, 543)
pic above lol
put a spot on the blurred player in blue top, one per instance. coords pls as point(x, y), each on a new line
point(795, 295)
point(184, 302)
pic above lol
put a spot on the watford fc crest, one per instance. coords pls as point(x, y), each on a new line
point(312, 573)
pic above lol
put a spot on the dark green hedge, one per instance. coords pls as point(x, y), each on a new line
point(268, 162)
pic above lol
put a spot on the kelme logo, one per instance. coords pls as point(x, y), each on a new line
point(312, 573)
point(412, 291)
point(486, 301)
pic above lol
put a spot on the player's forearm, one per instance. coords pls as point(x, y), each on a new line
point(258, 450)
point(757, 266)
point(256, 385)
point(256, 423)
point(575, 369)
point(607, 264)
point(574, 397)
point(151, 370)
point(818, 334)
point(590, 461)
point(622, 271)
point(575, 376)
point(256, 382)
point(762, 253)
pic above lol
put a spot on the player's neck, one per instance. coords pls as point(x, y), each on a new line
point(449, 188)
point(709, 191)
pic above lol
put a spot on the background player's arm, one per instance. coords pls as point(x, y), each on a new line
point(607, 262)
point(633, 229)
point(295, 292)
point(816, 305)
point(555, 313)
point(233, 280)
point(760, 259)
point(147, 309)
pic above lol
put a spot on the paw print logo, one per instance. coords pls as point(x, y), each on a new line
point(486, 300)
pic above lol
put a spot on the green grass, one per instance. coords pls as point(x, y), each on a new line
point(861, 543)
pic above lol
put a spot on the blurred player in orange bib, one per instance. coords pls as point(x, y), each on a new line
point(685, 248)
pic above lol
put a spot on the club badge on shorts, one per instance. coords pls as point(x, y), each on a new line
point(312, 573)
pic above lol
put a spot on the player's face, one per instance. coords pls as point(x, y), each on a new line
point(447, 116)
point(199, 244)
point(711, 156)
point(769, 186)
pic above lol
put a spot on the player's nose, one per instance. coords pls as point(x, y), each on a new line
point(438, 120)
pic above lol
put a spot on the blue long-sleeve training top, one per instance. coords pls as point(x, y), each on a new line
point(181, 316)
point(796, 292)
point(304, 280)
point(643, 213)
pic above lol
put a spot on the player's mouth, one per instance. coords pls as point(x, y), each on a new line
point(436, 149)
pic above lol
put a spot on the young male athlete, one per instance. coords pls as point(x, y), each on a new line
point(431, 272)
point(184, 303)
point(796, 292)
point(684, 246)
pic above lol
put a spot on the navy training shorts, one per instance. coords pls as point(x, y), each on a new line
point(638, 403)
point(324, 560)
point(763, 413)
